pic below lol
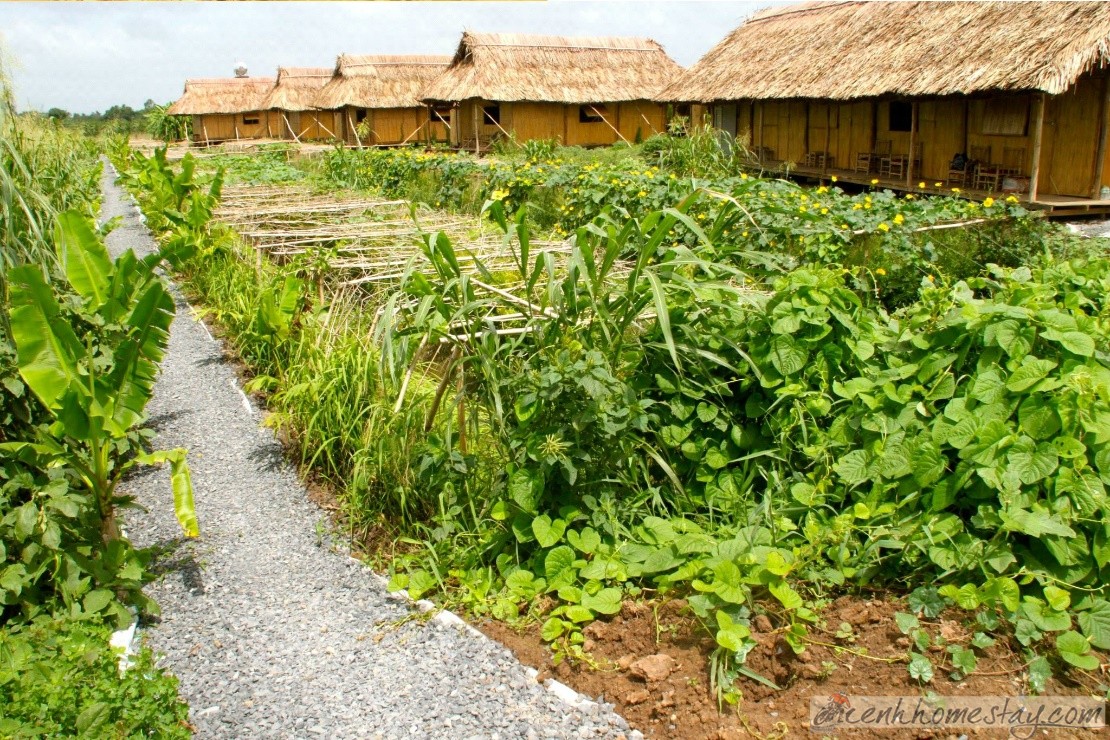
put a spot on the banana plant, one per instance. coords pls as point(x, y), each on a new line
point(91, 357)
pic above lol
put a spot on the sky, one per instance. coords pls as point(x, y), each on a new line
point(86, 57)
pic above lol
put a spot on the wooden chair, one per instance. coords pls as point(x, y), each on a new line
point(865, 162)
point(986, 177)
point(899, 162)
point(882, 154)
point(958, 175)
point(984, 173)
point(817, 159)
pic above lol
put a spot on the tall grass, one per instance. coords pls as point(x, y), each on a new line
point(317, 363)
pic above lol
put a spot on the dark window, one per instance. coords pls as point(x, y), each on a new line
point(682, 109)
point(439, 114)
point(250, 119)
point(491, 114)
point(360, 115)
point(591, 113)
point(901, 116)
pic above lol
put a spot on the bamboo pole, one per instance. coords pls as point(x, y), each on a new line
point(1100, 151)
point(354, 129)
point(603, 118)
point(290, 127)
point(414, 133)
point(321, 125)
point(1038, 133)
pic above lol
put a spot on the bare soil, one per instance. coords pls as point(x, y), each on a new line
point(870, 663)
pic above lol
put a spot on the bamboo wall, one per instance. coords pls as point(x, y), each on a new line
point(309, 125)
point(390, 126)
point(1000, 126)
point(229, 127)
point(1070, 140)
point(528, 121)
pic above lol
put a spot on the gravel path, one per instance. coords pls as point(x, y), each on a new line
point(272, 632)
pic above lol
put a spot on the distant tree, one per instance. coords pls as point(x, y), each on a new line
point(148, 104)
point(121, 113)
point(58, 114)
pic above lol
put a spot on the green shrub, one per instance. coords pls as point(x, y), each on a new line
point(60, 678)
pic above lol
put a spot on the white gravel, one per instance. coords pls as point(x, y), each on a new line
point(273, 632)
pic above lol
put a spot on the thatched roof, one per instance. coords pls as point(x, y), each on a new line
point(222, 95)
point(844, 50)
point(379, 81)
point(512, 67)
point(297, 88)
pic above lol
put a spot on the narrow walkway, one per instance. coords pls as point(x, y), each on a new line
point(272, 632)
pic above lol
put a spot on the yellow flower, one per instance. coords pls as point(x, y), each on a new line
point(641, 194)
point(743, 175)
point(674, 176)
point(955, 190)
point(899, 218)
point(884, 227)
point(921, 185)
point(824, 211)
point(834, 178)
point(874, 181)
point(857, 206)
point(880, 271)
point(1011, 199)
point(909, 196)
point(499, 194)
point(744, 234)
point(801, 209)
point(988, 202)
point(843, 226)
point(929, 277)
point(822, 189)
point(937, 184)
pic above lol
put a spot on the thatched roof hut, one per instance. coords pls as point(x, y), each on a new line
point(379, 81)
point(556, 69)
point(847, 50)
point(297, 88)
point(227, 95)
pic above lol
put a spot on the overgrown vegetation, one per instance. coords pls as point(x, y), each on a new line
point(80, 339)
point(736, 390)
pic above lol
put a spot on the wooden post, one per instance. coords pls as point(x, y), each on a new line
point(204, 130)
point(759, 111)
point(913, 143)
point(477, 141)
point(874, 124)
point(967, 128)
point(566, 124)
point(828, 125)
point(457, 130)
point(1104, 125)
point(1038, 131)
point(805, 134)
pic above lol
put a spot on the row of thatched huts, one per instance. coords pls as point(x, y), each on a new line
point(581, 91)
point(988, 96)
